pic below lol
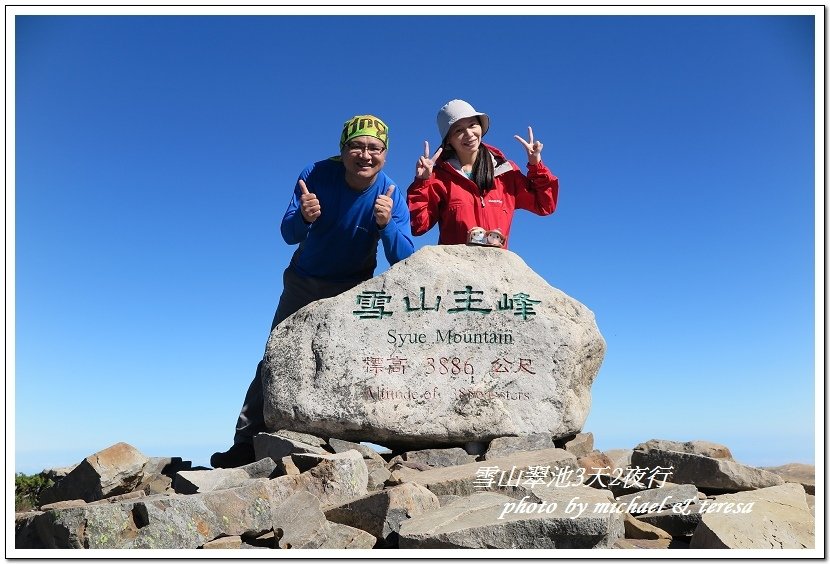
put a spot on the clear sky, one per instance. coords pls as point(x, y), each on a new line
point(155, 156)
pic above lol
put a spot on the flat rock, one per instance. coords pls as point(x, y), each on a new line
point(423, 355)
point(779, 518)
point(439, 457)
point(482, 521)
point(703, 448)
point(305, 438)
point(707, 473)
point(503, 446)
point(194, 481)
point(276, 446)
point(368, 453)
point(500, 474)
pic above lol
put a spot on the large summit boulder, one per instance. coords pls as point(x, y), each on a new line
point(454, 344)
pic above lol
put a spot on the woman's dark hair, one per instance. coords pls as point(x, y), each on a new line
point(482, 173)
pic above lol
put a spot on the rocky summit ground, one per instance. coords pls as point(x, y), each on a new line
point(532, 491)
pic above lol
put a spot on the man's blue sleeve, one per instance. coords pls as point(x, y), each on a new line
point(397, 235)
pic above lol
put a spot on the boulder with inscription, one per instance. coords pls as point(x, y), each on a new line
point(452, 345)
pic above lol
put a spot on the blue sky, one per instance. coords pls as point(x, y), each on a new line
point(155, 156)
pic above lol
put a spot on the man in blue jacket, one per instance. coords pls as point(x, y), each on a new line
point(340, 209)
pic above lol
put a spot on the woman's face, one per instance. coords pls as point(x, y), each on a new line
point(465, 136)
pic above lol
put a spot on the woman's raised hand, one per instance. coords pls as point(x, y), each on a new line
point(533, 148)
point(423, 168)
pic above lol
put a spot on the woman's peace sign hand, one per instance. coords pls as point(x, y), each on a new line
point(423, 168)
point(533, 148)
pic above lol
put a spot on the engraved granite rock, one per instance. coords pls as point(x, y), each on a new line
point(452, 345)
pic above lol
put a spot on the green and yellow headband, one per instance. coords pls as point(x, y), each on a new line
point(364, 125)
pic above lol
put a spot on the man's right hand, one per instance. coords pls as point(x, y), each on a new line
point(309, 204)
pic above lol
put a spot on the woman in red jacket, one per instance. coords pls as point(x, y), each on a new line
point(469, 184)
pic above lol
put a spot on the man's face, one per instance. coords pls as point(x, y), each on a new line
point(363, 157)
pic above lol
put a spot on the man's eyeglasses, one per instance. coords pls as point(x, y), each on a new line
point(357, 149)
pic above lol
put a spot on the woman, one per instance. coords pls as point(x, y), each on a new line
point(469, 184)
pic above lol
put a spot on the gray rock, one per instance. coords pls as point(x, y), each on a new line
point(276, 446)
point(707, 473)
point(666, 497)
point(368, 453)
point(263, 468)
point(364, 366)
point(57, 474)
point(483, 521)
point(337, 478)
point(112, 471)
point(166, 465)
point(475, 477)
point(502, 446)
point(381, 513)
point(804, 474)
point(25, 534)
point(305, 438)
point(778, 518)
point(703, 448)
point(378, 474)
point(439, 457)
point(159, 472)
point(300, 523)
point(195, 481)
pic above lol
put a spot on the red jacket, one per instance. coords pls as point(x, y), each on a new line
point(455, 202)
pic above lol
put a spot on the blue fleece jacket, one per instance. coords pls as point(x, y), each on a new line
point(341, 244)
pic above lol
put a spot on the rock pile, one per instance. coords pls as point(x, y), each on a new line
point(306, 491)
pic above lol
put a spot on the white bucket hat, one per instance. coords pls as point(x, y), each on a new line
point(455, 110)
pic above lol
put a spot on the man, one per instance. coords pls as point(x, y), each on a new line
point(340, 208)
